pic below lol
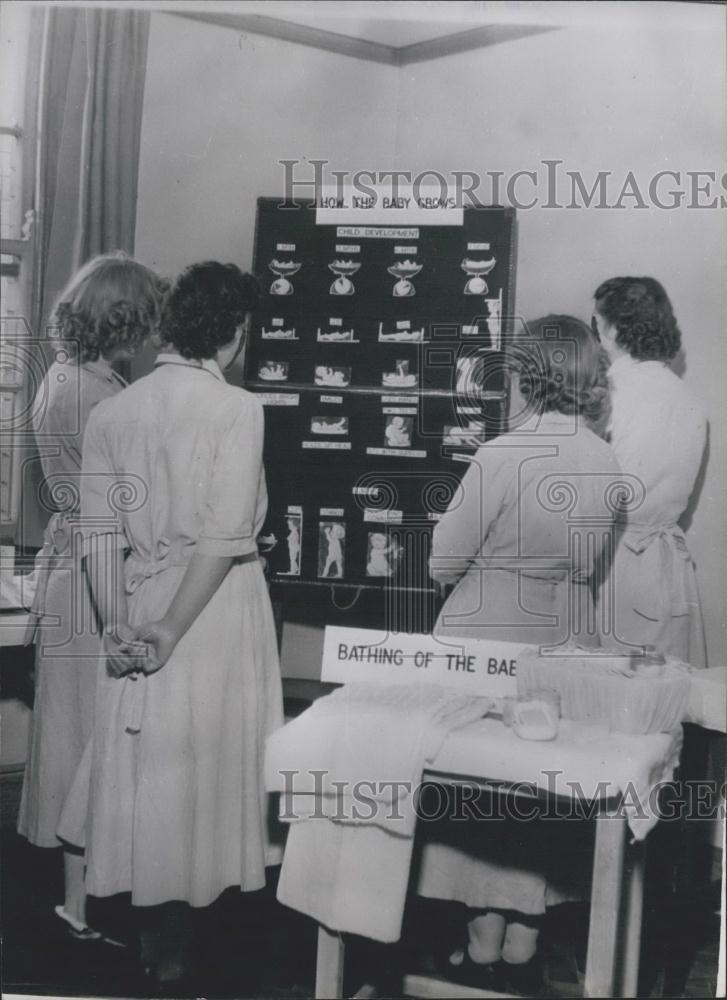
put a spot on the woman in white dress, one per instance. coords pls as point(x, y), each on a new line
point(519, 544)
point(173, 473)
point(658, 432)
point(105, 314)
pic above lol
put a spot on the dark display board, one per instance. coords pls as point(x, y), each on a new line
point(378, 354)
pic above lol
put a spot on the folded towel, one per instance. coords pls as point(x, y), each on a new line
point(348, 769)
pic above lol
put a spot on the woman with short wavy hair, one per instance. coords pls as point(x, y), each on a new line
point(512, 509)
point(178, 812)
point(658, 432)
point(209, 300)
point(111, 306)
point(563, 369)
point(518, 545)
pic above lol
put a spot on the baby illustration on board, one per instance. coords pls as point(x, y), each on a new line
point(293, 523)
point(382, 555)
point(273, 371)
point(327, 375)
point(398, 432)
point(330, 549)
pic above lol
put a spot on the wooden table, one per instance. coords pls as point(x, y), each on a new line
point(614, 935)
point(490, 758)
point(614, 940)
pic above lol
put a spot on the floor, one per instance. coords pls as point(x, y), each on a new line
point(250, 946)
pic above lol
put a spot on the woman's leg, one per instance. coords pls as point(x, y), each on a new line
point(74, 873)
point(486, 933)
point(521, 943)
point(521, 964)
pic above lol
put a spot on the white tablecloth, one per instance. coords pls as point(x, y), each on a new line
point(708, 700)
point(585, 761)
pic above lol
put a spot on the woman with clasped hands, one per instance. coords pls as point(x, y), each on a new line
point(177, 809)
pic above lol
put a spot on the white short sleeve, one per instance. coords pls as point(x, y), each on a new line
point(236, 485)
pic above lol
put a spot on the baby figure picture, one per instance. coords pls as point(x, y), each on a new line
point(332, 375)
point(273, 371)
point(383, 555)
point(277, 333)
point(401, 376)
point(469, 376)
point(329, 425)
point(331, 545)
point(293, 523)
point(470, 436)
point(340, 336)
point(398, 431)
point(494, 317)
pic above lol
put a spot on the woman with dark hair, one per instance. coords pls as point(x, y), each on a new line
point(104, 315)
point(519, 543)
point(178, 811)
point(658, 432)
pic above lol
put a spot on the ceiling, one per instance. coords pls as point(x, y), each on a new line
point(394, 33)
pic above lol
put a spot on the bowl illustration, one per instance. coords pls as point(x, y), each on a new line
point(404, 269)
point(284, 267)
point(478, 267)
point(345, 267)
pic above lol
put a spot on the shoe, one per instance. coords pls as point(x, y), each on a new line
point(478, 975)
point(525, 979)
point(82, 932)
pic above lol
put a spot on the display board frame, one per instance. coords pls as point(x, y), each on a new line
point(380, 355)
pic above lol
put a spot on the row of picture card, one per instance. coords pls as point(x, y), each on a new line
point(398, 433)
point(467, 375)
point(338, 376)
point(376, 554)
point(354, 432)
point(468, 277)
point(339, 330)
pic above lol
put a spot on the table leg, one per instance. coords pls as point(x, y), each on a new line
point(631, 934)
point(608, 861)
point(329, 965)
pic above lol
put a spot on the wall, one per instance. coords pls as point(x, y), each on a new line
point(221, 109)
point(630, 97)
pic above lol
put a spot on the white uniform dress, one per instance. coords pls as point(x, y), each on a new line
point(177, 808)
point(658, 432)
point(521, 539)
point(64, 626)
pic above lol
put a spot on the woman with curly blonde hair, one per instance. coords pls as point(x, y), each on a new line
point(111, 306)
point(519, 545)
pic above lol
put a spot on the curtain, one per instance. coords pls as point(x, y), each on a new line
point(90, 109)
point(92, 96)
